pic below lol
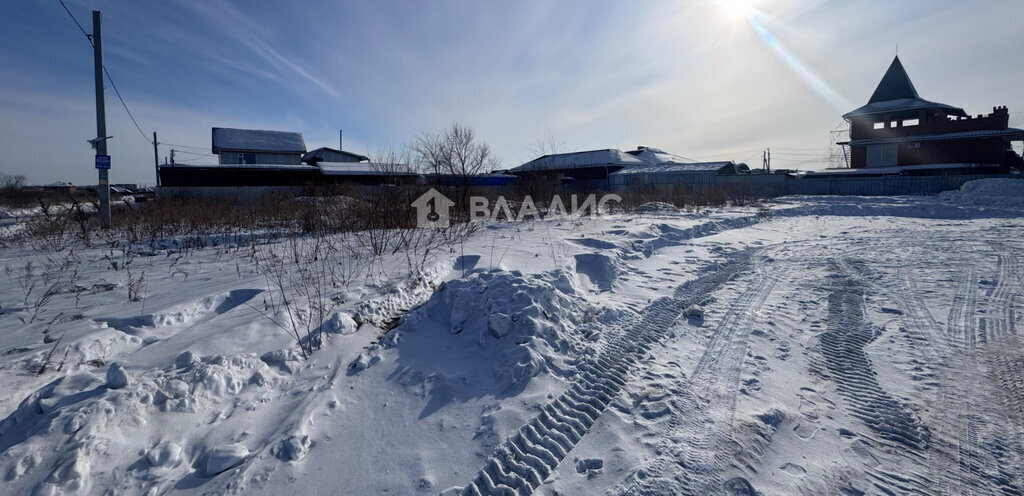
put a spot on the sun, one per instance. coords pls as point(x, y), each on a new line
point(738, 9)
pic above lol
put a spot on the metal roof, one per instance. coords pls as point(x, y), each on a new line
point(579, 160)
point(1013, 133)
point(896, 93)
point(674, 168)
point(238, 166)
point(658, 156)
point(894, 170)
point(895, 85)
point(253, 140)
point(319, 154)
point(364, 169)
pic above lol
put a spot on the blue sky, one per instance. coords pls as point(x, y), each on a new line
point(686, 76)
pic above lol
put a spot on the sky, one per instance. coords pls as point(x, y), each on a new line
point(704, 79)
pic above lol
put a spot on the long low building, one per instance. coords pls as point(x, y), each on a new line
point(694, 173)
point(589, 168)
point(250, 182)
point(608, 168)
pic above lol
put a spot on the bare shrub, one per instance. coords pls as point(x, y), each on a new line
point(42, 278)
point(301, 276)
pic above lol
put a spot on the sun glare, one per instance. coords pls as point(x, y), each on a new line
point(738, 9)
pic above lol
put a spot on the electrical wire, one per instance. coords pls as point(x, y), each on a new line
point(125, 105)
point(187, 146)
point(87, 35)
point(109, 78)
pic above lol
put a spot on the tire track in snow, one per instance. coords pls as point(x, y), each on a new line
point(1005, 363)
point(900, 431)
point(688, 460)
point(524, 460)
point(842, 344)
point(968, 453)
point(956, 432)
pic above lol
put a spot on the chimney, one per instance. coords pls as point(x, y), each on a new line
point(340, 141)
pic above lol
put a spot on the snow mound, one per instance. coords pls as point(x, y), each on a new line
point(988, 193)
point(657, 208)
point(490, 333)
point(79, 432)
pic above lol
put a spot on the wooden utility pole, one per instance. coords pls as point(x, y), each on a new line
point(102, 159)
point(156, 160)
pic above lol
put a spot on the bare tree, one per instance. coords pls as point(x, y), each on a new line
point(10, 182)
point(547, 144)
point(457, 152)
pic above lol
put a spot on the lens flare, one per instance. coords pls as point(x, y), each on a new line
point(796, 65)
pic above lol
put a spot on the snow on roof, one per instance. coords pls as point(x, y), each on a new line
point(673, 168)
point(578, 160)
point(321, 152)
point(364, 169)
point(658, 156)
point(253, 140)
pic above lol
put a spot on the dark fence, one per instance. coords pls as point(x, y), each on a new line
point(773, 185)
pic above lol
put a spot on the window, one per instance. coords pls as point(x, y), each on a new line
point(893, 123)
point(879, 125)
point(911, 122)
point(882, 155)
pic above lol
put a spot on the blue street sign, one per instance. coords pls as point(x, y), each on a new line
point(102, 161)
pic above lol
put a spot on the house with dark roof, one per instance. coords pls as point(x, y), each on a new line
point(330, 155)
point(585, 169)
point(899, 130)
point(252, 146)
point(689, 173)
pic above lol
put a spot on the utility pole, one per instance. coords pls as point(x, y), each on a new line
point(102, 159)
point(156, 160)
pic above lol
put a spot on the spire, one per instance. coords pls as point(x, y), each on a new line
point(895, 85)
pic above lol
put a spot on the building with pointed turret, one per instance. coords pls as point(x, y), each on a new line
point(899, 129)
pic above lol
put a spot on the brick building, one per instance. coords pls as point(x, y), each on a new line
point(898, 128)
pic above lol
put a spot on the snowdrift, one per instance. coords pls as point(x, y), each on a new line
point(988, 193)
point(490, 334)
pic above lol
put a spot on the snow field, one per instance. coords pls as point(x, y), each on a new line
point(829, 346)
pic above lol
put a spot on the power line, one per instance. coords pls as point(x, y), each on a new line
point(187, 146)
point(109, 78)
point(125, 105)
point(87, 35)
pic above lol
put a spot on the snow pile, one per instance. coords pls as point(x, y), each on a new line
point(657, 208)
point(988, 193)
point(82, 433)
point(496, 328)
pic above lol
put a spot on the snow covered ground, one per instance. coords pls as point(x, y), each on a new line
point(823, 345)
